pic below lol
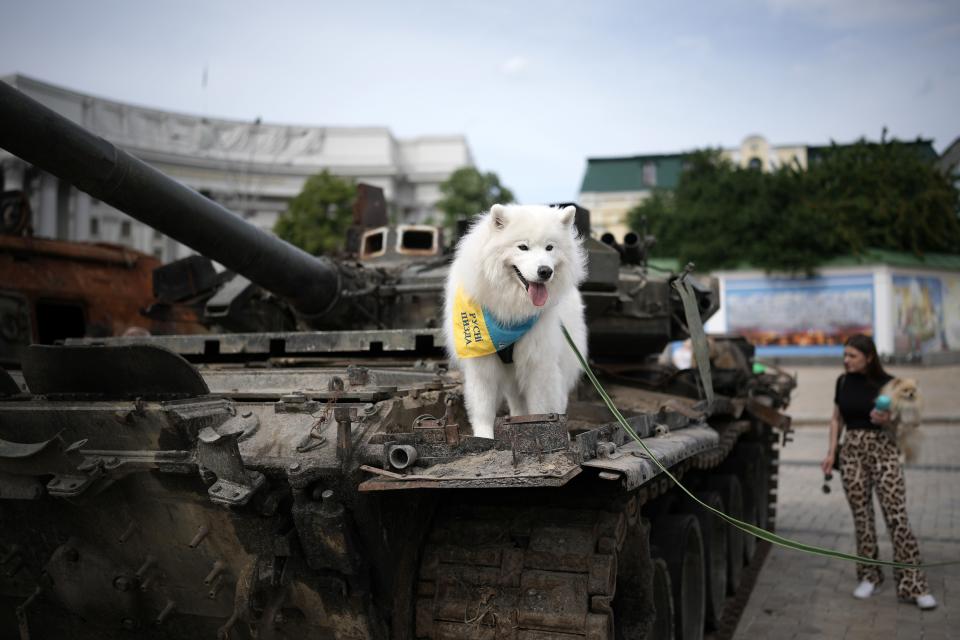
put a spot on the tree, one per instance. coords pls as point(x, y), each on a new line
point(886, 196)
point(468, 192)
point(316, 220)
point(852, 198)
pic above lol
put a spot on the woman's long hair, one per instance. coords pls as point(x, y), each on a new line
point(865, 345)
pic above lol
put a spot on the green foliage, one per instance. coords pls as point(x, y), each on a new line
point(851, 198)
point(317, 219)
point(468, 192)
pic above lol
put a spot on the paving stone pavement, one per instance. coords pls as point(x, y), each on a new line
point(798, 596)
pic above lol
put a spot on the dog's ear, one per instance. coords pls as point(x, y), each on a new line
point(498, 214)
point(567, 213)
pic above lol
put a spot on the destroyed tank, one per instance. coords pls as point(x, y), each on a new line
point(54, 289)
point(324, 482)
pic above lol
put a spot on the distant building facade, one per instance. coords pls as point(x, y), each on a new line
point(613, 186)
point(251, 168)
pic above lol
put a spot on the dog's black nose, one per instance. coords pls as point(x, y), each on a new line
point(544, 272)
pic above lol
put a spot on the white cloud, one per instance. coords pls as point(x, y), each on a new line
point(515, 65)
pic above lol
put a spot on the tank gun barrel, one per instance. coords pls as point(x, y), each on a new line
point(610, 240)
point(632, 248)
point(59, 146)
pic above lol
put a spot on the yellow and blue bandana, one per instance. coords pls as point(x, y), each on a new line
point(478, 333)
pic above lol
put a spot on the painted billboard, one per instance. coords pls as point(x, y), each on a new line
point(919, 319)
point(951, 311)
point(800, 315)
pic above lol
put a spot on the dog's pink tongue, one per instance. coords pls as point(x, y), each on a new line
point(537, 293)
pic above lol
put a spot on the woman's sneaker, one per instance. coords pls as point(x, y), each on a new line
point(926, 601)
point(866, 589)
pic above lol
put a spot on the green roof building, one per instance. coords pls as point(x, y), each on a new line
point(613, 186)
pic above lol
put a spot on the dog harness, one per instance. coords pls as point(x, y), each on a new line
point(478, 333)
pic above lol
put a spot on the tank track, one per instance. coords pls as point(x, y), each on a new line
point(524, 573)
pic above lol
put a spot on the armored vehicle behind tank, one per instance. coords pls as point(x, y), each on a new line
point(56, 289)
point(325, 483)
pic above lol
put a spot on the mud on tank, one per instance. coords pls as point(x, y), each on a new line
point(324, 482)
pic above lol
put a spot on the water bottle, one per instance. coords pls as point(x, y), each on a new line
point(882, 403)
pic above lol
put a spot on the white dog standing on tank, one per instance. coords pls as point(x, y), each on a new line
point(512, 283)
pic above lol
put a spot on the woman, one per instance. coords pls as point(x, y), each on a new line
point(869, 460)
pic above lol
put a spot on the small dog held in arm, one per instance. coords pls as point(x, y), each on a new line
point(512, 283)
point(905, 408)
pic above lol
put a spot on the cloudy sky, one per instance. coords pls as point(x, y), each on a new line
point(537, 87)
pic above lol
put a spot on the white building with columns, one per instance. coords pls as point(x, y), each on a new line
point(252, 168)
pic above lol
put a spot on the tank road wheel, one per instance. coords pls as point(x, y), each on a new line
point(759, 478)
point(636, 608)
point(662, 602)
point(714, 531)
point(772, 480)
point(728, 486)
point(742, 464)
point(679, 538)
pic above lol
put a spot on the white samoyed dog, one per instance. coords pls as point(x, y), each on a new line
point(513, 282)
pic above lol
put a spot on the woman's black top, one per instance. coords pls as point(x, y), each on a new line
point(856, 395)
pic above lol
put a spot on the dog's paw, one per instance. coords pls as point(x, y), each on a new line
point(483, 430)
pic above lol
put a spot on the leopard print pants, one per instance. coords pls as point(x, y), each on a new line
point(869, 461)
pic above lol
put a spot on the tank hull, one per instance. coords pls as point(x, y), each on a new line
point(196, 499)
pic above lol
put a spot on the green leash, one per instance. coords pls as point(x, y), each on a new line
point(763, 534)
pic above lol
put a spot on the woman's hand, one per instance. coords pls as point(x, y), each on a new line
point(827, 464)
point(880, 418)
